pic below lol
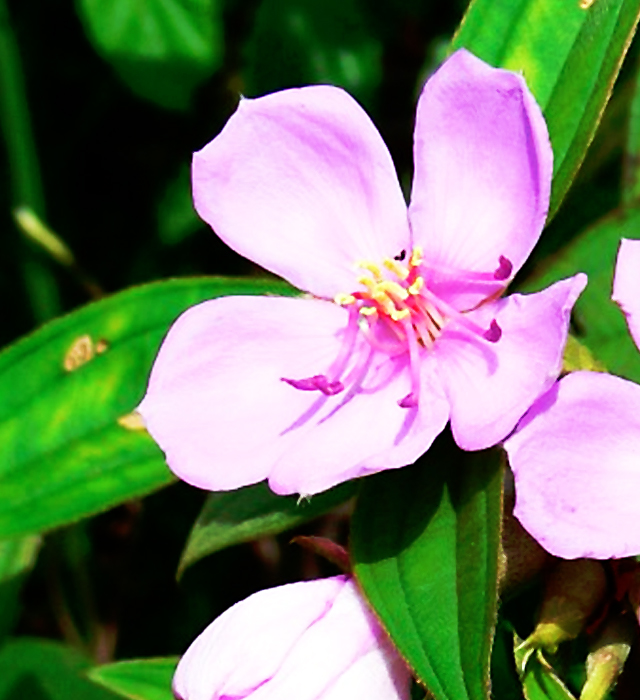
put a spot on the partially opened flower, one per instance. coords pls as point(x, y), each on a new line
point(576, 454)
point(406, 329)
point(313, 640)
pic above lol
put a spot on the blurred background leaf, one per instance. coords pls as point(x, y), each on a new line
point(301, 42)
point(162, 49)
point(228, 518)
point(17, 557)
point(138, 679)
point(42, 670)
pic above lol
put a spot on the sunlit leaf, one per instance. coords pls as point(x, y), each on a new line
point(229, 518)
point(69, 446)
point(570, 54)
point(162, 49)
point(138, 679)
point(425, 547)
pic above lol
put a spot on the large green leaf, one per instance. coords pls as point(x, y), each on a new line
point(232, 517)
point(425, 545)
point(35, 669)
point(138, 679)
point(600, 323)
point(570, 57)
point(297, 42)
point(162, 49)
point(63, 452)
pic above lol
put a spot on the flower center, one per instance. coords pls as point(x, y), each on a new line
point(397, 313)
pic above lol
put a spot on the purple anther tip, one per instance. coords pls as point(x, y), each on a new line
point(409, 401)
point(494, 333)
point(308, 384)
point(318, 382)
point(504, 269)
point(326, 387)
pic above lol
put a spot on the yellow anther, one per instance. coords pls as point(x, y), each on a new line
point(368, 310)
point(393, 288)
point(398, 315)
point(416, 286)
point(367, 282)
point(344, 299)
point(394, 266)
point(370, 267)
point(385, 302)
point(417, 256)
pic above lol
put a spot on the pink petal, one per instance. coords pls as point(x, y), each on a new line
point(218, 407)
point(301, 182)
point(483, 166)
point(248, 643)
point(491, 385)
point(626, 285)
point(326, 661)
point(577, 470)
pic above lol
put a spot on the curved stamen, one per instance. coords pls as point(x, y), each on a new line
point(411, 399)
point(318, 382)
point(492, 334)
point(397, 313)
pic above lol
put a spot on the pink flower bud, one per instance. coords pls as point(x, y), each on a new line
point(310, 640)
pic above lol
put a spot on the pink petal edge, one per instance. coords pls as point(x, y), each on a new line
point(483, 165)
point(217, 405)
point(491, 385)
point(301, 182)
point(577, 474)
point(626, 285)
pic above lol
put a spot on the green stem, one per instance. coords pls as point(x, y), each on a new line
point(15, 121)
point(26, 184)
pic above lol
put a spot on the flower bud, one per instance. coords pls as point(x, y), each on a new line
point(573, 591)
point(607, 658)
point(311, 640)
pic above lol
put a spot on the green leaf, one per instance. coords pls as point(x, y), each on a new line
point(63, 453)
point(300, 42)
point(162, 49)
point(138, 679)
point(539, 680)
point(570, 57)
point(425, 546)
point(35, 669)
point(228, 518)
point(599, 322)
point(17, 558)
point(631, 178)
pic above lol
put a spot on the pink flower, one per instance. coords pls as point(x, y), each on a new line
point(311, 640)
point(576, 454)
point(406, 329)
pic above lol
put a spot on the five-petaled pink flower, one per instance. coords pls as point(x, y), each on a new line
point(405, 329)
point(312, 640)
point(576, 453)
